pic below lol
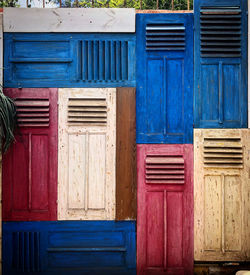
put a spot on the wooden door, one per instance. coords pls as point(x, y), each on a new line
point(86, 173)
point(30, 166)
point(164, 78)
point(165, 209)
point(220, 94)
point(222, 204)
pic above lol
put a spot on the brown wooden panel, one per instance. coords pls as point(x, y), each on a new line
point(125, 154)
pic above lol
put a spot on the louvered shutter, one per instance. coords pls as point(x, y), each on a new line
point(87, 126)
point(30, 166)
point(69, 247)
point(220, 64)
point(164, 78)
point(69, 60)
point(165, 209)
point(221, 183)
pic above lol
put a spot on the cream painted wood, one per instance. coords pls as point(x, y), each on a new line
point(86, 168)
point(221, 198)
point(69, 20)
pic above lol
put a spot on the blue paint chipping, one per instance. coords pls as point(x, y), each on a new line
point(46, 60)
point(69, 247)
point(220, 88)
point(164, 74)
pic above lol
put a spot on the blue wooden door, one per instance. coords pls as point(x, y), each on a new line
point(69, 60)
point(69, 248)
point(164, 78)
point(220, 64)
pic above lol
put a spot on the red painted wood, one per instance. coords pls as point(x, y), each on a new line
point(165, 213)
point(30, 166)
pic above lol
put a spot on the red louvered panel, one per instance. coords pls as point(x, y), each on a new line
point(30, 166)
point(165, 209)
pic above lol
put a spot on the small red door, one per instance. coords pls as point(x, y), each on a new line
point(165, 209)
point(30, 166)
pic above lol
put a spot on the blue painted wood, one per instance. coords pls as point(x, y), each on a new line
point(220, 87)
point(69, 60)
point(69, 247)
point(164, 94)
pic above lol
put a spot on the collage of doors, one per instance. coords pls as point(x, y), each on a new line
point(132, 152)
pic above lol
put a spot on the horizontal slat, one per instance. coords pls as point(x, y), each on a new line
point(41, 60)
point(86, 114)
point(158, 181)
point(87, 109)
point(167, 177)
point(32, 103)
point(159, 172)
point(164, 160)
point(87, 102)
point(83, 119)
point(22, 115)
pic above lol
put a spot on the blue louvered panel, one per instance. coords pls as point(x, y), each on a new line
point(69, 60)
point(69, 247)
point(164, 107)
point(220, 64)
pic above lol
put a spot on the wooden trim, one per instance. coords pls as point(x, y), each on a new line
point(69, 20)
point(164, 11)
point(125, 154)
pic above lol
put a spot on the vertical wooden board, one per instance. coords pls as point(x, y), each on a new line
point(221, 191)
point(30, 166)
point(165, 210)
point(125, 154)
point(69, 248)
point(164, 75)
point(87, 146)
point(220, 75)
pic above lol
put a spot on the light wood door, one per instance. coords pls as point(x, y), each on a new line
point(222, 197)
point(86, 187)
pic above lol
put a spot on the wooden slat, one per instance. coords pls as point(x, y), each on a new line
point(86, 102)
point(32, 103)
point(126, 155)
point(69, 20)
point(164, 160)
point(86, 114)
point(153, 171)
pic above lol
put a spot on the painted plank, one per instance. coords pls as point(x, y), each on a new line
point(164, 213)
point(86, 165)
point(30, 166)
point(164, 78)
point(69, 247)
point(221, 196)
point(69, 20)
point(69, 60)
point(125, 154)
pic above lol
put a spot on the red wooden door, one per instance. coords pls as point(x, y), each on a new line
point(30, 166)
point(165, 209)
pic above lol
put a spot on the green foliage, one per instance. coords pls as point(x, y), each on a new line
point(8, 120)
point(8, 3)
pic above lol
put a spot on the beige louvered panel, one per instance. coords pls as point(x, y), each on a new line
point(221, 191)
point(32, 112)
point(164, 170)
point(86, 169)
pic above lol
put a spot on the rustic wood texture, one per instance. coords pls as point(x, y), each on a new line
point(222, 197)
point(69, 20)
point(86, 169)
point(125, 154)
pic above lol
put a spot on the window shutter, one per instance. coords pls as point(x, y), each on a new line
point(87, 128)
point(30, 166)
point(164, 209)
point(221, 188)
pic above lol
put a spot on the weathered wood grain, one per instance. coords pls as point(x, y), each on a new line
point(125, 154)
point(86, 168)
point(69, 20)
point(221, 195)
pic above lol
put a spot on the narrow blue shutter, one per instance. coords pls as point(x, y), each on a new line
point(220, 64)
point(69, 247)
point(164, 78)
point(69, 60)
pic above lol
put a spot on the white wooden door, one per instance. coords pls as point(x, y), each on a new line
point(222, 197)
point(86, 169)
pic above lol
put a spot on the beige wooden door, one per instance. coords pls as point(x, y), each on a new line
point(86, 169)
point(221, 194)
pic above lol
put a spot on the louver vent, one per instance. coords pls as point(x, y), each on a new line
point(220, 31)
point(32, 112)
point(223, 152)
point(165, 170)
point(87, 111)
point(165, 37)
point(26, 247)
point(105, 60)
